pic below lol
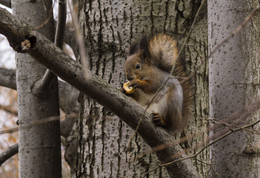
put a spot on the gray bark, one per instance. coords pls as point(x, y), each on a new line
point(233, 74)
point(39, 146)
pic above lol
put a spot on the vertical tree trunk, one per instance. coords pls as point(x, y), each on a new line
point(109, 28)
point(233, 76)
point(39, 146)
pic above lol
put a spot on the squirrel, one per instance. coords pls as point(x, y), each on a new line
point(147, 67)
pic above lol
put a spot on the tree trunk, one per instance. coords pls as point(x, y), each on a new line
point(233, 76)
point(39, 146)
point(109, 28)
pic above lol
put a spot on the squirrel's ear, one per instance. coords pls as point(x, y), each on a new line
point(144, 43)
point(144, 46)
point(143, 55)
point(133, 48)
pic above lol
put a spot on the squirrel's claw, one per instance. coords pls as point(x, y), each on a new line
point(158, 120)
point(124, 92)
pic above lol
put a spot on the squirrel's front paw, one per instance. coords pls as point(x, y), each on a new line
point(158, 120)
point(128, 88)
point(124, 91)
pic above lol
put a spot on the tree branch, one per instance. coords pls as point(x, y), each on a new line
point(45, 52)
point(11, 151)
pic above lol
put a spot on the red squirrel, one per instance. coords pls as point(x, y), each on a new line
point(147, 68)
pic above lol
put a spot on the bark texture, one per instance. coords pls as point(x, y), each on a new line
point(233, 76)
point(39, 146)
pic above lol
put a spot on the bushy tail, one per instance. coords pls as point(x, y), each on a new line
point(163, 48)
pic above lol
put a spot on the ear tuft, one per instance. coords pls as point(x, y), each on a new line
point(144, 46)
point(133, 48)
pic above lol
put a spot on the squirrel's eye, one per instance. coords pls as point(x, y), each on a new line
point(138, 66)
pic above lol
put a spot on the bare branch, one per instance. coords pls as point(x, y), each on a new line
point(249, 110)
point(223, 135)
point(232, 122)
point(238, 29)
point(79, 38)
point(45, 52)
point(11, 151)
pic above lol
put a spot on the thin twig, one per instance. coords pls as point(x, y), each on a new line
point(254, 107)
point(238, 29)
point(214, 141)
point(236, 118)
point(35, 123)
point(80, 40)
point(65, 129)
point(45, 21)
point(210, 165)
